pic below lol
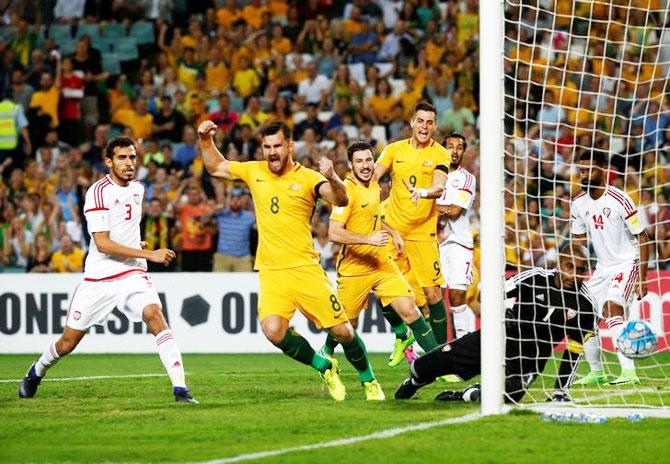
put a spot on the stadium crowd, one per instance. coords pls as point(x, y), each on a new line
point(72, 77)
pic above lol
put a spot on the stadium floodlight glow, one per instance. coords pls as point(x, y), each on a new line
point(492, 209)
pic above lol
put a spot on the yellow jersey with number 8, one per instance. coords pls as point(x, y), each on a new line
point(416, 222)
point(284, 206)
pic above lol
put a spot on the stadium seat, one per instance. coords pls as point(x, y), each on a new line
point(357, 71)
point(41, 36)
point(103, 44)
point(142, 32)
point(126, 49)
point(379, 134)
point(111, 63)
point(115, 30)
point(93, 30)
point(67, 46)
point(299, 116)
point(7, 33)
point(60, 31)
point(324, 116)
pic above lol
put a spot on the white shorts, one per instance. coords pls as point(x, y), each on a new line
point(456, 263)
point(616, 283)
point(93, 302)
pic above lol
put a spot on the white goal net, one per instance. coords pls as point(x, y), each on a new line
point(579, 76)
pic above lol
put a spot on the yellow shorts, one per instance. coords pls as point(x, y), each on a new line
point(306, 288)
point(403, 264)
point(387, 283)
point(424, 257)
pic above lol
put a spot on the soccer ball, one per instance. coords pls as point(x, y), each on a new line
point(637, 340)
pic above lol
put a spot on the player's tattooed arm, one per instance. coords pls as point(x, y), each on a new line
point(338, 233)
point(334, 191)
point(109, 247)
point(215, 163)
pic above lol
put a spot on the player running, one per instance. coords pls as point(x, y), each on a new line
point(115, 272)
point(419, 164)
point(456, 251)
point(364, 263)
point(545, 307)
point(621, 246)
point(285, 195)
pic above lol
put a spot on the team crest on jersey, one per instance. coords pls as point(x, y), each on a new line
point(427, 163)
point(607, 212)
point(295, 187)
point(136, 198)
point(76, 315)
point(454, 183)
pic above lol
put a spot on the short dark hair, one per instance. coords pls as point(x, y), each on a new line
point(425, 106)
point(357, 146)
point(597, 157)
point(276, 127)
point(118, 142)
point(456, 135)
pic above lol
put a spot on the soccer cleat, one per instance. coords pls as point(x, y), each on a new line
point(331, 377)
point(407, 389)
point(450, 378)
point(410, 355)
point(593, 378)
point(471, 394)
point(373, 391)
point(182, 395)
point(627, 377)
point(29, 384)
point(399, 350)
point(450, 395)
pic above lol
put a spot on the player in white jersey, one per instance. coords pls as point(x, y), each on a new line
point(610, 219)
point(456, 243)
point(115, 272)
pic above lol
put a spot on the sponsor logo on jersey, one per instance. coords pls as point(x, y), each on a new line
point(427, 163)
point(295, 187)
point(76, 315)
point(117, 202)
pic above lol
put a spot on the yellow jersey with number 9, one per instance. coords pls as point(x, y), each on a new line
point(362, 216)
point(284, 206)
point(416, 222)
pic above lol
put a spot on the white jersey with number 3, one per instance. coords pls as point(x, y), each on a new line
point(118, 210)
point(460, 191)
point(612, 222)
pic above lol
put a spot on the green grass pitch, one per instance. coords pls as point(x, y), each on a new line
point(254, 403)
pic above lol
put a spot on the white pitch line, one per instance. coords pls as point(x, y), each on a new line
point(388, 433)
point(604, 396)
point(92, 377)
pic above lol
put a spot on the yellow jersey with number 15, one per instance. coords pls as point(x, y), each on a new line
point(362, 216)
point(284, 206)
point(416, 222)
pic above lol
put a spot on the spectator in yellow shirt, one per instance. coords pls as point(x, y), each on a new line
point(253, 12)
point(69, 258)
point(138, 119)
point(245, 81)
point(46, 99)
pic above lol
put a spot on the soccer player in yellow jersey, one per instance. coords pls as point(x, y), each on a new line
point(285, 194)
point(364, 263)
point(419, 166)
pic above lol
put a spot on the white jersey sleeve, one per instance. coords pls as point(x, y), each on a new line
point(460, 191)
point(577, 225)
point(95, 211)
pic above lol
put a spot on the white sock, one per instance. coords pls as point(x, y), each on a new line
point(171, 357)
point(464, 319)
point(592, 352)
point(616, 325)
point(48, 359)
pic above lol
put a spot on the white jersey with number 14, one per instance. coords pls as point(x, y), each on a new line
point(612, 223)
